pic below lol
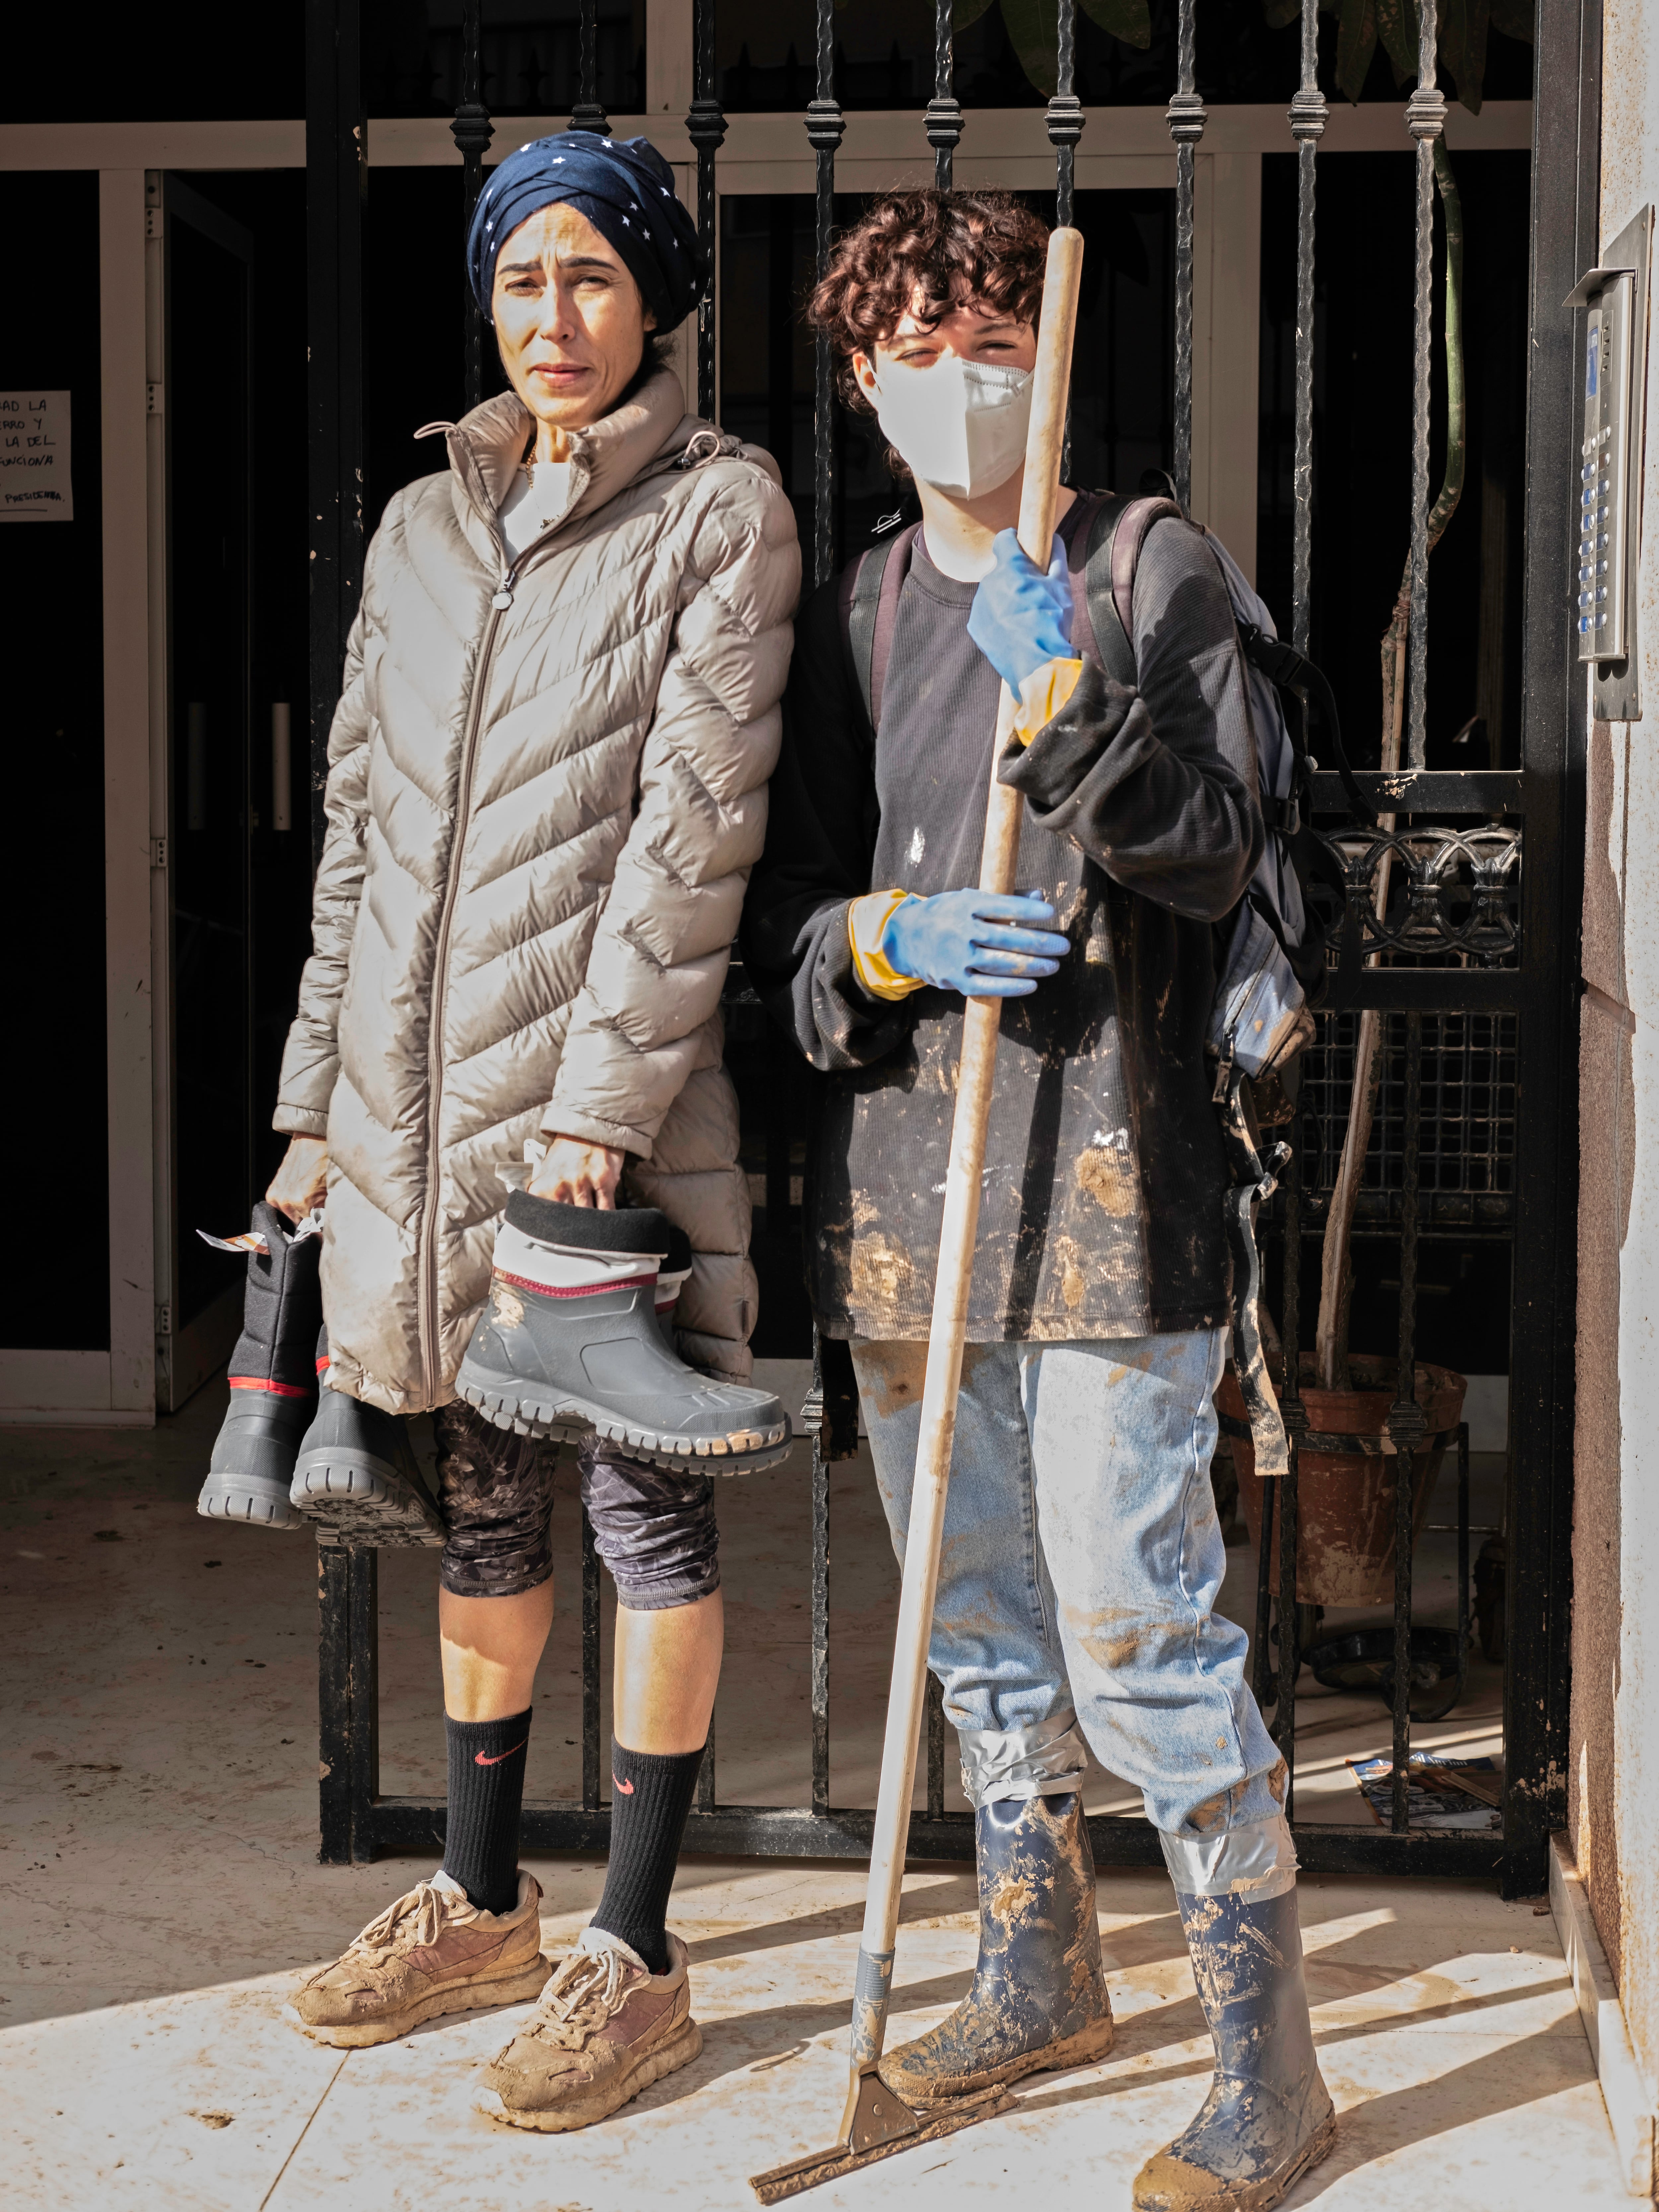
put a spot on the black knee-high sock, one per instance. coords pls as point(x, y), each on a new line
point(486, 1791)
point(650, 1797)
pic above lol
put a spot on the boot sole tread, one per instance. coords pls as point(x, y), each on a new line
point(351, 1502)
point(524, 1982)
point(668, 2057)
point(236, 1498)
point(570, 1417)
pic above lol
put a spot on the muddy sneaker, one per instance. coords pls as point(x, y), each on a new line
point(357, 1478)
point(273, 1379)
point(570, 1337)
point(605, 2029)
point(431, 1952)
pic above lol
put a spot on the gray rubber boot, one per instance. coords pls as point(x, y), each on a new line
point(1268, 2116)
point(544, 1361)
point(273, 1381)
point(251, 1469)
point(358, 1480)
point(1038, 1999)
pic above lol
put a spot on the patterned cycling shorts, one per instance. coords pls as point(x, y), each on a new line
point(654, 1530)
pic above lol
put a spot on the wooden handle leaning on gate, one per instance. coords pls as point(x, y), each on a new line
point(1039, 497)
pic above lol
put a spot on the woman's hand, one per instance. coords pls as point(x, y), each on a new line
point(302, 1180)
point(576, 1173)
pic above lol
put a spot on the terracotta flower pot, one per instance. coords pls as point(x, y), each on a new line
point(1346, 1501)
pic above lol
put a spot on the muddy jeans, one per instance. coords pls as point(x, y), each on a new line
point(654, 1529)
point(1080, 1565)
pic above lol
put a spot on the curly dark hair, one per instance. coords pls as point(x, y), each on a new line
point(947, 247)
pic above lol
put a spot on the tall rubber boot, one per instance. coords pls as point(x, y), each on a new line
point(356, 1476)
point(1038, 1999)
point(1268, 2116)
point(273, 1381)
point(570, 1339)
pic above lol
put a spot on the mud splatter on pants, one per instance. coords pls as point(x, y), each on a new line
point(1079, 1573)
point(654, 1530)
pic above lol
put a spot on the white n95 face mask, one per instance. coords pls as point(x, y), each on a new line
point(960, 424)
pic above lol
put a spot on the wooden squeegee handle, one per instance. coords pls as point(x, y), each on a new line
point(1039, 497)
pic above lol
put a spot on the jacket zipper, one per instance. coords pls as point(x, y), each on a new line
point(425, 1279)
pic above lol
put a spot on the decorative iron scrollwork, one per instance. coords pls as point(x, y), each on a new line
point(1456, 895)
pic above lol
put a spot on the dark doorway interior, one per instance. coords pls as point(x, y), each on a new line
point(54, 1114)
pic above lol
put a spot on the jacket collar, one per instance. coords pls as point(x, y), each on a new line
point(649, 432)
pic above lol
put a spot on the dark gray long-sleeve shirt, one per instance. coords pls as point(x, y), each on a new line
point(1101, 1213)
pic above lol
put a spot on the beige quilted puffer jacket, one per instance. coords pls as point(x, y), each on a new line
point(546, 789)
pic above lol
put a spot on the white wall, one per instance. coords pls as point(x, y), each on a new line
point(1614, 1782)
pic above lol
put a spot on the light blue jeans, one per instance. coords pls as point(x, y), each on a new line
point(1079, 1573)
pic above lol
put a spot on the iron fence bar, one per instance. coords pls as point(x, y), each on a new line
point(934, 1706)
point(1307, 117)
point(944, 117)
point(1261, 1642)
point(337, 177)
point(1186, 117)
point(1064, 118)
point(820, 1659)
point(705, 126)
point(825, 127)
point(404, 1825)
point(1464, 1532)
point(1426, 118)
point(591, 1715)
point(472, 130)
point(1407, 1425)
point(347, 1702)
point(706, 1772)
point(588, 114)
point(1294, 1413)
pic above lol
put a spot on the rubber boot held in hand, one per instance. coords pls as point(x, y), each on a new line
point(273, 1381)
point(570, 1341)
point(1038, 1999)
point(1268, 2116)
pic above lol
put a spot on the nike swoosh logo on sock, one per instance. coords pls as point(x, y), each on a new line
point(627, 1788)
point(479, 1759)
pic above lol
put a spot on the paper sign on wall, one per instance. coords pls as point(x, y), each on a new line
point(34, 458)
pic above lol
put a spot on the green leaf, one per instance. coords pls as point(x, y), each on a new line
point(1470, 67)
point(964, 12)
point(1356, 42)
point(1278, 13)
point(1396, 25)
point(1128, 20)
point(1031, 30)
point(1516, 19)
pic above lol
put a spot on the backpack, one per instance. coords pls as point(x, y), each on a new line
point(1271, 964)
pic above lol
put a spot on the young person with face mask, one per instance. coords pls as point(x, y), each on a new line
point(547, 786)
point(1082, 1556)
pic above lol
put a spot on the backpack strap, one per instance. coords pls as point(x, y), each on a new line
point(1095, 628)
point(869, 597)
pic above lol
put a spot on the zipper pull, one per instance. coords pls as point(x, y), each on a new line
point(504, 597)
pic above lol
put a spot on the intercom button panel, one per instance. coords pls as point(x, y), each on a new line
point(1602, 459)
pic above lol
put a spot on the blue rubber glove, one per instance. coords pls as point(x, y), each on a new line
point(1021, 619)
point(988, 947)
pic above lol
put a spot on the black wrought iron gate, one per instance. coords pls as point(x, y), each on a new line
point(1483, 924)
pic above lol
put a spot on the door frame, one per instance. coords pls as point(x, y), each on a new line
point(762, 153)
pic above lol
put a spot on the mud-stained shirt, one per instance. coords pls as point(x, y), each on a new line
point(1101, 1209)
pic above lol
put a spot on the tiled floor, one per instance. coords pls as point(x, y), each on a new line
point(157, 1719)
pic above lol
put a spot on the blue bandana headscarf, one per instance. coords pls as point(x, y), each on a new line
point(625, 188)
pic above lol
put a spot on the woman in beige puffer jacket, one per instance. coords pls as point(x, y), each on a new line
point(546, 789)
